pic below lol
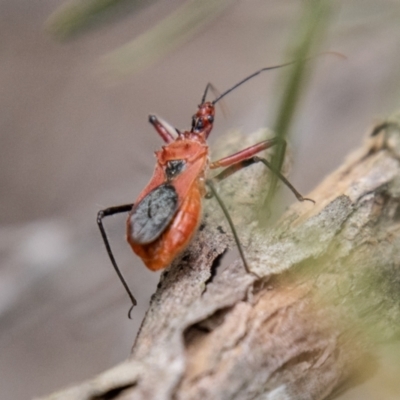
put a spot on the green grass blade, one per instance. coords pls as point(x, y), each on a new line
point(76, 15)
point(170, 33)
point(306, 36)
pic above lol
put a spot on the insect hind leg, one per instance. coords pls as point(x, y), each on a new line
point(106, 213)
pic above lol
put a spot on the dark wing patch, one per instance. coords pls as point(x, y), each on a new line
point(152, 214)
point(174, 168)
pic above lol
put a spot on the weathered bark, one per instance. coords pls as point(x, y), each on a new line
point(329, 289)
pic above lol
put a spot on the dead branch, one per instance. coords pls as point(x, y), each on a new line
point(330, 272)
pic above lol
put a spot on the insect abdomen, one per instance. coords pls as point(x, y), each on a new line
point(161, 252)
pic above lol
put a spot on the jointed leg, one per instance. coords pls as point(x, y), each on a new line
point(230, 222)
point(253, 160)
point(248, 152)
point(162, 129)
point(236, 162)
point(105, 213)
point(246, 157)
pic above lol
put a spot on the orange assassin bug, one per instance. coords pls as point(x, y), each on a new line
point(164, 218)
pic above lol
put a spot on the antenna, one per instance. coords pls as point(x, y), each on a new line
point(250, 77)
point(267, 69)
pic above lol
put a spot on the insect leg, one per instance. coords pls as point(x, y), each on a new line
point(210, 184)
point(246, 157)
point(253, 160)
point(105, 213)
point(248, 152)
point(163, 129)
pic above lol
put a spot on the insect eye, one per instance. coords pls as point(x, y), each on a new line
point(210, 119)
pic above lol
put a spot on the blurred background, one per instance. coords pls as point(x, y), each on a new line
point(75, 138)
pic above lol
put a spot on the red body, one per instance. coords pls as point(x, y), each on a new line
point(192, 148)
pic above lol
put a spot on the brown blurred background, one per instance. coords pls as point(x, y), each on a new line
point(73, 142)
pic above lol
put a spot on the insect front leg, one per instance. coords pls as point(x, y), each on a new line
point(106, 213)
point(247, 157)
point(166, 131)
point(248, 152)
